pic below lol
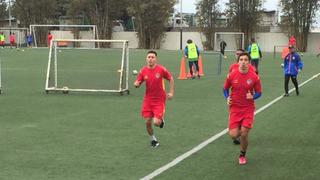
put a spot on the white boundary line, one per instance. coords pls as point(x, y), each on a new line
point(211, 139)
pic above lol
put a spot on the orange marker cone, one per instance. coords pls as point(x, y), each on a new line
point(182, 74)
point(200, 66)
point(285, 52)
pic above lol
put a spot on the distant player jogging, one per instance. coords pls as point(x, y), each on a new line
point(153, 105)
point(245, 88)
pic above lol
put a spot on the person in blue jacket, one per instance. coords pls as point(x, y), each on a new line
point(292, 65)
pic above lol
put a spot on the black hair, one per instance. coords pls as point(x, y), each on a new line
point(244, 54)
point(189, 41)
point(153, 52)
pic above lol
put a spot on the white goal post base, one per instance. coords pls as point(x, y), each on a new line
point(234, 40)
point(52, 83)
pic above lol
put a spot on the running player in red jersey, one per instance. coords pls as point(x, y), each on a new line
point(245, 88)
point(235, 66)
point(153, 105)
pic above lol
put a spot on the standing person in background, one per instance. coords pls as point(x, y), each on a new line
point(153, 106)
point(12, 40)
point(292, 41)
point(49, 38)
point(255, 54)
point(192, 53)
point(223, 46)
point(292, 65)
point(29, 40)
point(2, 39)
point(245, 88)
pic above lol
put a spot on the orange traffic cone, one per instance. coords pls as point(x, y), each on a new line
point(182, 74)
point(285, 52)
point(200, 66)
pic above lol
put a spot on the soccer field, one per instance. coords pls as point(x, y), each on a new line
point(81, 136)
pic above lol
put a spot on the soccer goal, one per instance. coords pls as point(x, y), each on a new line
point(102, 69)
point(40, 32)
point(19, 34)
point(278, 51)
point(234, 40)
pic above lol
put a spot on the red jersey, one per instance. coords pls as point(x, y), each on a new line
point(154, 79)
point(235, 67)
point(240, 85)
point(11, 38)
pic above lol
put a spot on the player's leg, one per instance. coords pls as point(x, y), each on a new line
point(190, 67)
point(286, 85)
point(197, 67)
point(234, 126)
point(246, 125)
point(158, 109)
point(243, 144)
point(147, 115)
point(295, 83)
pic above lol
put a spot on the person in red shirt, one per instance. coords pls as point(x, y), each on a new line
point(49, 39)
point(235, 66)
point(154, 100)
point(292, 41)
point(12, 39)
point(245, 88)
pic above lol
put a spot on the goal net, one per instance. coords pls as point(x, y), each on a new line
point(234, 40)
point(19, 34)
point(88, 70)
point(280, 51)
point(40, 33)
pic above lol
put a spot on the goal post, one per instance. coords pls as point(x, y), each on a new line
point(278, 51)
point(88, 70)
point(60, 31)
point(19, 34)
point(234, 40)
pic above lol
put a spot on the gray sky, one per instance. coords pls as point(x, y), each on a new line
point(188, 6)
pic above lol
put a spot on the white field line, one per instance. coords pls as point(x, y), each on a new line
point(211, 139)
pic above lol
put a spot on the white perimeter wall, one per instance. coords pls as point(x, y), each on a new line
point(267, 41)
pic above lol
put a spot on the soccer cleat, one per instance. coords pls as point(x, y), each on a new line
point(162, 124)
point(154, 143)
point(286, 95)
point(236, 141)
point(242, 160)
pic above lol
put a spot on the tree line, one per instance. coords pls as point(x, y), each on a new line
point(151, 16)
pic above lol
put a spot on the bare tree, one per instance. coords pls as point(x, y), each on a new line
point(208, 11)
point(99, 12)
point(244, 16)
point(297, 18)
point(151, 18)
point(3, 9)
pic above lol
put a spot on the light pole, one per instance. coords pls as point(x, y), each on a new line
point(9, 14)
point(180, 24)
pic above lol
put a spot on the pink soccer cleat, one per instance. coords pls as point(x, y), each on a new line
point(242, 160)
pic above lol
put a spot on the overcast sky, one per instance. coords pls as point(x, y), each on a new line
point(188, 6)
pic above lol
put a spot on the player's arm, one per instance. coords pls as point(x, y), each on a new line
point(299, 63)
point(171, 88)
point(186, 51)
point(257, 89)
point(137, 83)
point(168, 76)
point(226, 87)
